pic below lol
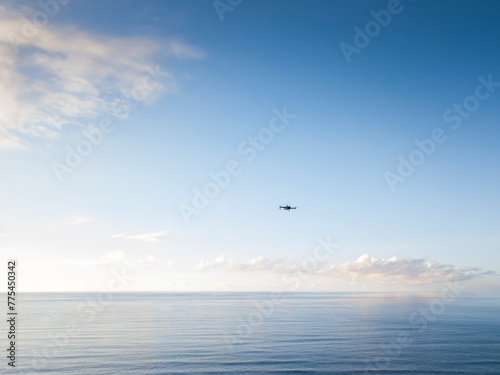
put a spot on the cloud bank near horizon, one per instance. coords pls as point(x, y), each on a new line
point(364, 268)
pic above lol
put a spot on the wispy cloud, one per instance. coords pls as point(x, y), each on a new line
point(366, 267)
point(184, 51)
point(204, 265)
point(259, 263)
point(150, 237)
point(80, 220)
point(64, 75)
point(113, 259)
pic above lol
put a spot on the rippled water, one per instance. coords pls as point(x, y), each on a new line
point(255, 333)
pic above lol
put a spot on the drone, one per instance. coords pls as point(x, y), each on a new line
point(288, 208)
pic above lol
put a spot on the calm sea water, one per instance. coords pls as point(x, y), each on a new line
point(255, 333)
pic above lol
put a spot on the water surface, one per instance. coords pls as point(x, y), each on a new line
point(256, 333)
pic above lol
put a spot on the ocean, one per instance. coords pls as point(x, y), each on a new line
point(255, 333)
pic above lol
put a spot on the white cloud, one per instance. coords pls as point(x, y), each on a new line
point(80, 220)
point(366, 267)
point(259, 263)
point(407, 270)
point(60, 76)
point(184, 51)
point(150, 237)
point(112, 259)
point(206, 265)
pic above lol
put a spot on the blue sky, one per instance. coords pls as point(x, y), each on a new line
point(334, 131)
